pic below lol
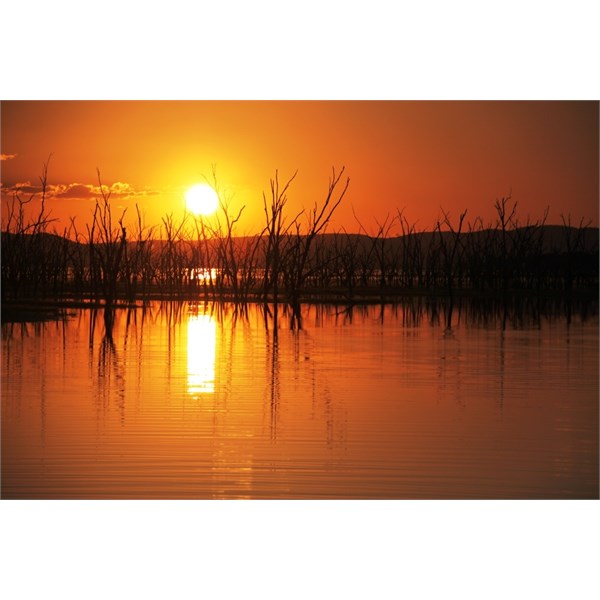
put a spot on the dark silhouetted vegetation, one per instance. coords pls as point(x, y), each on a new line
point(295, 258)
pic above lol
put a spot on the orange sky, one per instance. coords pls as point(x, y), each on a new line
point(420, 156)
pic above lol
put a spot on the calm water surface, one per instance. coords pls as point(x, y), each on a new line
point(194, 401)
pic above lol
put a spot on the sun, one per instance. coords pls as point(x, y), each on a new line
point(201, 199)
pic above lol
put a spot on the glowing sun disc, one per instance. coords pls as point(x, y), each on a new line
point(201, 199)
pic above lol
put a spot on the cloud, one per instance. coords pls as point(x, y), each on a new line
point(22, 187)
point(80, 191)
point(7, 156)
point(121, 188)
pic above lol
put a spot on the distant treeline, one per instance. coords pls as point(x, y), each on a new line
point(292, 258)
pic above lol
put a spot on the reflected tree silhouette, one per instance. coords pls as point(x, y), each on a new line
point(109, 322)
point(274, 390)
point(108, 369)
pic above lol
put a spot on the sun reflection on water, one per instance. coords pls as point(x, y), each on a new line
point(202, 334)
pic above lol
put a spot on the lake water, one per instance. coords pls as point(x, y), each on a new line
point(200, 401)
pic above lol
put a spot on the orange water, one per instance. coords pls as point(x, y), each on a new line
point(383, 402)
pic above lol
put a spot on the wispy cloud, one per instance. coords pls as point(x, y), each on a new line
point(76, 191)
point(121, 188)
point(23, 187)
point(80, 191)
point(7, 156)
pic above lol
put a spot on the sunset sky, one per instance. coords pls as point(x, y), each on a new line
point(418, 156)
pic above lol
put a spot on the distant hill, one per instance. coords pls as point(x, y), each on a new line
point(554, 239)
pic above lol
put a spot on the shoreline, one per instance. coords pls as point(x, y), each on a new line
point(39, 309)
